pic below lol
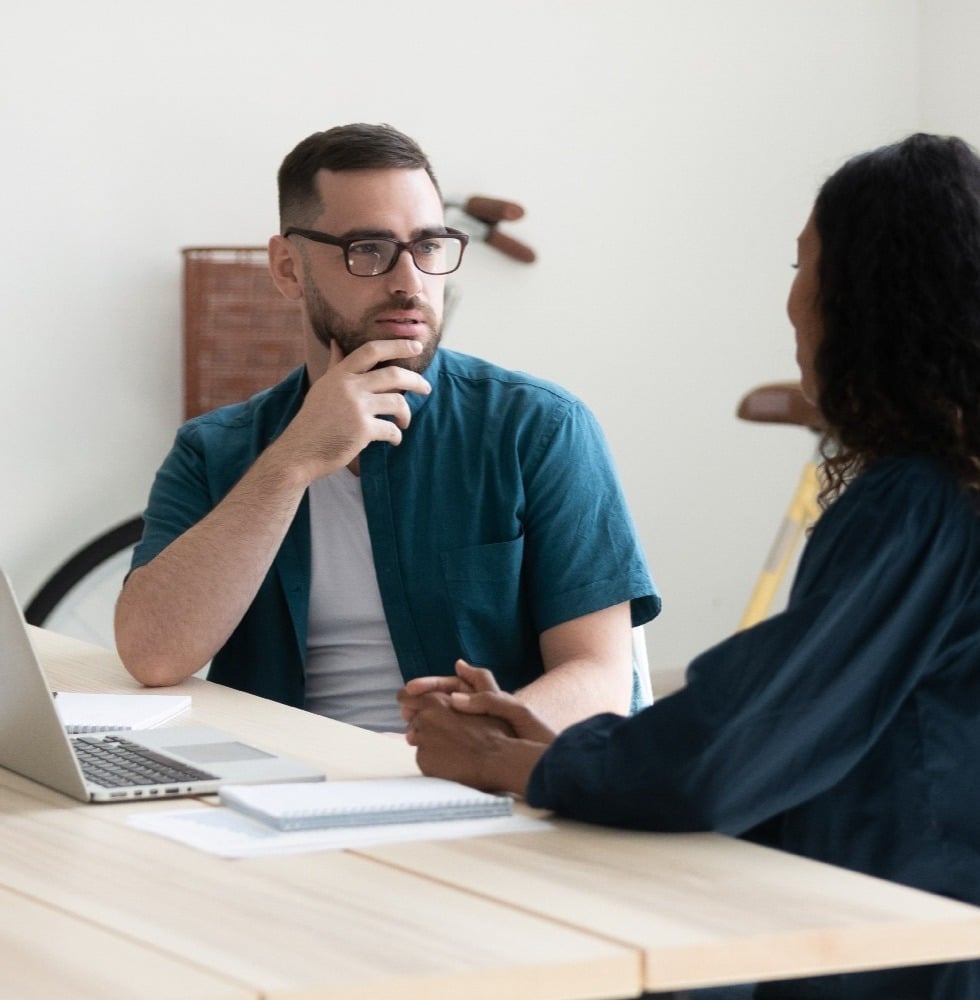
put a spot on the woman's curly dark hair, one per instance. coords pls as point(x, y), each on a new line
point(898, 364)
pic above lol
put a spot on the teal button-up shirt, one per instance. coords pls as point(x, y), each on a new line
point(499, 516)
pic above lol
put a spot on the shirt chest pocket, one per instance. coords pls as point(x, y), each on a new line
point(486, 594)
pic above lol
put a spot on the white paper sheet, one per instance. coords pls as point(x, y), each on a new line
point(96, 713)
point(228, 834)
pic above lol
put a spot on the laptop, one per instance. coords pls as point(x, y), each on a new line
point(182, 760)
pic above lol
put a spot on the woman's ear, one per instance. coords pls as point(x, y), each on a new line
point(285, 267)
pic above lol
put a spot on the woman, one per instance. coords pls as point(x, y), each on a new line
point(847, 728)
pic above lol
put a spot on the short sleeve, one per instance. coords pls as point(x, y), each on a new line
point(580, 539)
point(178, 499)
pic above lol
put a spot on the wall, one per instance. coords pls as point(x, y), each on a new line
point(666, 152)
point(950, 43)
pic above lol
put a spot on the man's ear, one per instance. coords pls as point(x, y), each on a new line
point(285, 267)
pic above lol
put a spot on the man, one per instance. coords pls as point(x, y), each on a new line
point(359, 524)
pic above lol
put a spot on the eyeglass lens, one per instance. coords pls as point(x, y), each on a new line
point(432, 254)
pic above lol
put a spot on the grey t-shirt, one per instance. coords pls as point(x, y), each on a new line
point(351, 669)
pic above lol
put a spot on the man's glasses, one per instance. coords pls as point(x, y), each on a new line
point(371, 256)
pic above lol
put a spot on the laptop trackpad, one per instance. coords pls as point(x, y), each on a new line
point(215, 753)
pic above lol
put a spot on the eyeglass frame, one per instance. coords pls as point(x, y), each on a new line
point(345, 245)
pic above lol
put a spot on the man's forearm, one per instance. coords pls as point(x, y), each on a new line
point(177, 611)
point(587, 664)
point(570, 692)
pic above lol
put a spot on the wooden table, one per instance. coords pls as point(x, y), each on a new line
point(573, 912)
point(702, 909)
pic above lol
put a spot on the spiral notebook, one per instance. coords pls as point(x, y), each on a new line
point(363, 803)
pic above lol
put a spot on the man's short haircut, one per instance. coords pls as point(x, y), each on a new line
point(345, 147)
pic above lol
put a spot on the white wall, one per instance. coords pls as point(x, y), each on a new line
point(694, 132)
point(950, 64)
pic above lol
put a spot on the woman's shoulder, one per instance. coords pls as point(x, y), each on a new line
point(900, 519)
point(904, 497)
point(902, 482)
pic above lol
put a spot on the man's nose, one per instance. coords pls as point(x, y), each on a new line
point(404, 278)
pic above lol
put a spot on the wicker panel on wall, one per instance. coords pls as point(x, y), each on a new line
point(240, 334)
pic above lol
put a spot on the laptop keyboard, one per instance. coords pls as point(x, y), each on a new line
point(114, 762)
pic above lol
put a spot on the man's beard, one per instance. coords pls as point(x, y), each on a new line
point(329, 325)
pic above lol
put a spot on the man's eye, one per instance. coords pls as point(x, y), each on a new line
point(368, 249)
point(428, 247)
